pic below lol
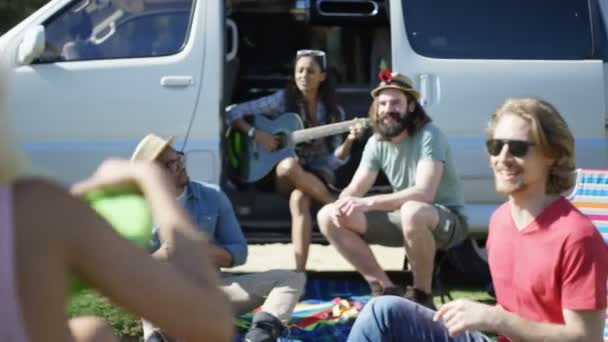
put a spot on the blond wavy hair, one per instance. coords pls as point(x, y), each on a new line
point(12, 161)
point(551, 134)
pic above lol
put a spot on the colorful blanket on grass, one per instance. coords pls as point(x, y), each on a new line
point(326, 313)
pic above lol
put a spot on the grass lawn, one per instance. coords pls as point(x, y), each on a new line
point(125, 325)
point(128, 328)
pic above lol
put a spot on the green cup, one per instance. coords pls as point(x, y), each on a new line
point(128, 213)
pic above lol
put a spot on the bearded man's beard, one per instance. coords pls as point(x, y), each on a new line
point(391, 129)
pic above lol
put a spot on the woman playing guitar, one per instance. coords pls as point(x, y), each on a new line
point(306, 176)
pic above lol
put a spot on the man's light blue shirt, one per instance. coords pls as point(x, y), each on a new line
point(212, 212)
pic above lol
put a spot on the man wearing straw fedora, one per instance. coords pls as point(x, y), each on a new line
point(277, 291)
point(425, 210)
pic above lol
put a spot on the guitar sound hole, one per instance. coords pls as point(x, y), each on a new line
point(282, 139)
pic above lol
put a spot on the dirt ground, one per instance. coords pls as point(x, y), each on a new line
point(321, 258)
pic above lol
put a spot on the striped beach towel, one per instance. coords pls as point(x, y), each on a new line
point(590, 196)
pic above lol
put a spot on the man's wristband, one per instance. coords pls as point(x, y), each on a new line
point(251, 132)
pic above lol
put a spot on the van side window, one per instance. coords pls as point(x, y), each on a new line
point(105, 29)
point(513, 29)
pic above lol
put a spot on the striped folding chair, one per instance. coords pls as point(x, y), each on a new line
point(590, 196)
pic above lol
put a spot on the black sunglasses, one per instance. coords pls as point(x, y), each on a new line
point(517, 148)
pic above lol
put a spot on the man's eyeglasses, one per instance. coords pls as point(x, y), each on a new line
point(316, 53)
point(180, 159)
point(517, 148)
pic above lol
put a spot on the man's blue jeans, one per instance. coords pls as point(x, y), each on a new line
point(392, 318)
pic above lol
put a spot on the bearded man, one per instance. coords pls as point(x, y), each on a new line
point(425, 210)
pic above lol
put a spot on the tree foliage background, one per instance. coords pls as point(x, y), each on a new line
point(13, 11)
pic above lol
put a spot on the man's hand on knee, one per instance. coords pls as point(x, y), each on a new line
point(336, 217)
point(347, 213)
point(349, 205)
point(339, 218)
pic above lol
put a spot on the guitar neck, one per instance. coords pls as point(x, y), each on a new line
point(313, 133)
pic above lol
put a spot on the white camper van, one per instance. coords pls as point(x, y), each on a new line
point(91, 77)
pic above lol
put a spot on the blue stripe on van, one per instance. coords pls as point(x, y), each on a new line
point(109, 145)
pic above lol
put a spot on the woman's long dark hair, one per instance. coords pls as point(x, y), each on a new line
point(327, 93)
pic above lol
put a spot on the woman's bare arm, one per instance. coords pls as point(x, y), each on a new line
point(184, 300)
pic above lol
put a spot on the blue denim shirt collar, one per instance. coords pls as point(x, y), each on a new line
point(195, 196)
point(189, 193)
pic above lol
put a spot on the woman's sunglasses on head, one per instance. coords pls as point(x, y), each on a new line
point(517, 148)
point(315, 53)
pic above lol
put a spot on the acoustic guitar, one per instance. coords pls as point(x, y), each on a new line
point(254, 162)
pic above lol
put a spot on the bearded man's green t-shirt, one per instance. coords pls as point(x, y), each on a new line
point(399, 162)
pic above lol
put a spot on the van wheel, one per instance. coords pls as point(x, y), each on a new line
point(468, 263)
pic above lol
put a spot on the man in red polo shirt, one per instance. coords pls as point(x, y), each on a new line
point(548, 262)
